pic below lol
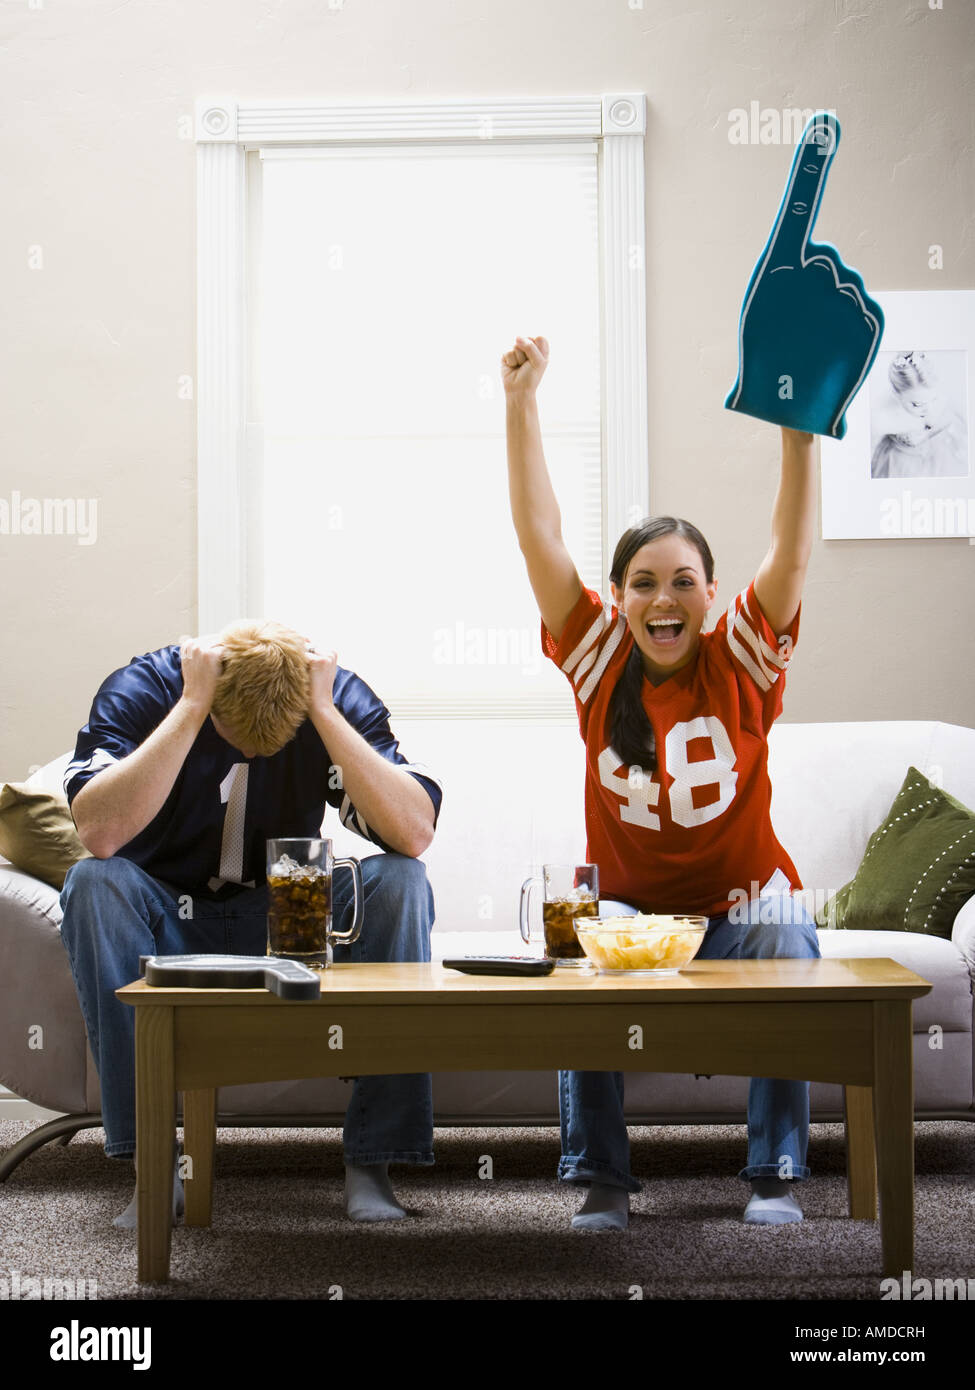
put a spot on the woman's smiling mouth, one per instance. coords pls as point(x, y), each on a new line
point(665, 632)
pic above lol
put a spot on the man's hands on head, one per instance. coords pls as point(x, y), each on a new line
point(115, 806)
point(390, 800)
point(202, 664)
point(201, 659)
point(322, 666)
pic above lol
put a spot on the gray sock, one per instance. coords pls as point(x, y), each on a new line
point(606, 1208)
point(368, 1194)
point(772, 1203)
point(128, 1220)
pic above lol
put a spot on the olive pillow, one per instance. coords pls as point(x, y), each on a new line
point(37, 833)
point(918, 870)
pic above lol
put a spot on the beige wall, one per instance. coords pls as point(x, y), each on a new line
point(98, 177)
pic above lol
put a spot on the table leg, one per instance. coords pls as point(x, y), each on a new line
point(893, 1098)
point(199, 1130)
point(861, 1156)
point(155, 1134)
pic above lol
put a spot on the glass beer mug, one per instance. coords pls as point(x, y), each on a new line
point(571, 890)
point(299, 901)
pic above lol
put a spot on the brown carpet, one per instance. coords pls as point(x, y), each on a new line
point(279, 1231)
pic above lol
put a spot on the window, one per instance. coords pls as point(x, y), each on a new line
point(353, 479)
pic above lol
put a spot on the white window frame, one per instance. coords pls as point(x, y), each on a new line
point(228, 129)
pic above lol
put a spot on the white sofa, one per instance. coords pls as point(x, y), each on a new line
point(513, 799)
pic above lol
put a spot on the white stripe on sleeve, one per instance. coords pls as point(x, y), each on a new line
point(771, 655)
point(609, 647)
point(599, 627)
point(749, 659)
point(587, 662)
point(353, 820)
point(101, 758)
point(762, 662)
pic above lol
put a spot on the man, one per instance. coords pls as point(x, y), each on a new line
point(194, 756)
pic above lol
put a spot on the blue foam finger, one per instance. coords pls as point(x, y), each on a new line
point(809, 332)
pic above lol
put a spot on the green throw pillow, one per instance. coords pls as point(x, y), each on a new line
point(37, 833)
point(918, 870)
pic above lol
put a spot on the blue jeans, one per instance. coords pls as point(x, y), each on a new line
point(114, 912)
point(595, 1146)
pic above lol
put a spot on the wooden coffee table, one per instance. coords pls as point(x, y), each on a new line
point(846, 1021)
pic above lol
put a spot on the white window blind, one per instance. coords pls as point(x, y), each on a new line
point(387, 283)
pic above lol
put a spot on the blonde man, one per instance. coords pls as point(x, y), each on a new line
point(193, 756)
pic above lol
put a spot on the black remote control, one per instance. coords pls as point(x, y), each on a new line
point(501, 965)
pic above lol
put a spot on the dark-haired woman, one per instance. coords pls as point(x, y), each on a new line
point(675, 721)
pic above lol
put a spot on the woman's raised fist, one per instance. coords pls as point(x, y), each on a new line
point(524, 366)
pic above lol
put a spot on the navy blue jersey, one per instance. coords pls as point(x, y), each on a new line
point(193, 843)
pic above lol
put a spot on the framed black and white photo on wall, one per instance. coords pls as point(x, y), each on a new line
point(905, 466)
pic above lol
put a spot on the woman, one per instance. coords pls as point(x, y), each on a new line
point(675, 722)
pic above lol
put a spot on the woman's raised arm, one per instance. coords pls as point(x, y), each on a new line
point(780, 577)
point(538, 522)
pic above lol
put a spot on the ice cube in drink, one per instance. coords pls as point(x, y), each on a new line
point(558, 920)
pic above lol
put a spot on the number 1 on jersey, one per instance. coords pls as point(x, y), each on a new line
point(233, 794)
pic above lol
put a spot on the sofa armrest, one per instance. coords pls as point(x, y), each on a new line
point(43, 1055)
point(963, 933)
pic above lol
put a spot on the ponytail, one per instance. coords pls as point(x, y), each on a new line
point(630, 730)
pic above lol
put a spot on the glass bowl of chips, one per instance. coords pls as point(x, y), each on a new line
point(644, 944)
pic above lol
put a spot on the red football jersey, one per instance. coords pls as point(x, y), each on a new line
point(698, 830)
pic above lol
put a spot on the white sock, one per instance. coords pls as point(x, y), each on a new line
point(368, 1194)
point(772, 1203)
point(606, 1208)
point(128, 1220)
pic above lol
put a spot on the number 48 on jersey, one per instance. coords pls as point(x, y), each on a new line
point(639, 791)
